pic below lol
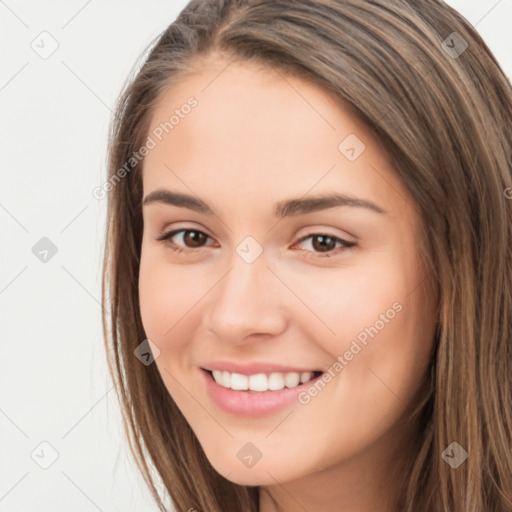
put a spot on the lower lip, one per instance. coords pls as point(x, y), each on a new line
point(248, 403)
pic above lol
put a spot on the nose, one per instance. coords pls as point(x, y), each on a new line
point(248, 301)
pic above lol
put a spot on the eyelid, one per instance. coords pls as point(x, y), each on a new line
point(349, 239)
point(165, 237)
point(345, 245)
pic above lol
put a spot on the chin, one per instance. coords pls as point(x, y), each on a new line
point(249, 477)
point(262, 473)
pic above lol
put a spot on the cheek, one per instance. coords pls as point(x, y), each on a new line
point(343, 303)
point(378, 321)
point(170, 299)
point(166, 299)
point(396, 350)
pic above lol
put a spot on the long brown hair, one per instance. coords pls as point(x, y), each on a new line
point(419, 75)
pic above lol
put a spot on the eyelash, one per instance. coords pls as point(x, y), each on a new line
point(165, 238)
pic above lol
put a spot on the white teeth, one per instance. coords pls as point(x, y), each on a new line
point(291, 380)
point(260, 381)
point(275, 381)
point(240, 382)
point(305, 376)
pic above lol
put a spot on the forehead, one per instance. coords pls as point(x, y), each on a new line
point(250, 104)
point(258, 130)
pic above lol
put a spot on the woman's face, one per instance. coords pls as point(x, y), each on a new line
point(271, 280)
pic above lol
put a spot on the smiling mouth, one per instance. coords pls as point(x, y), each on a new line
point(261, 382)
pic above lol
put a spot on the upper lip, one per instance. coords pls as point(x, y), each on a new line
point(253, 368)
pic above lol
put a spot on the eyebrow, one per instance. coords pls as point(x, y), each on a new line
point(282, 209)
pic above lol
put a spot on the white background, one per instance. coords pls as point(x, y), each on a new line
point(55, 114)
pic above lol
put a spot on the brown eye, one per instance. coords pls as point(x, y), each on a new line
point(323, 243)
point(194, 238)
point(326, 244)
point(190, 239)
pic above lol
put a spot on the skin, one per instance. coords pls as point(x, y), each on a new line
point(258, 137)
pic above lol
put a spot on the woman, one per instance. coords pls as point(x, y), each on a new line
point(308, 260)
